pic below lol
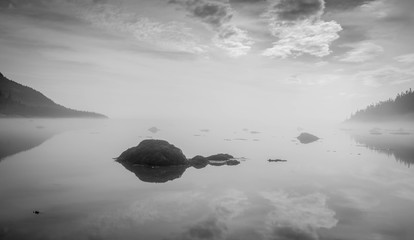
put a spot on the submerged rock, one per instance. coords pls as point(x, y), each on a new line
point(153, 129)
point(153, 152)
point(307, 138)
point(220, 157)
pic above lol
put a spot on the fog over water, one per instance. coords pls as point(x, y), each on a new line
point(293, 119)
point(349, 184)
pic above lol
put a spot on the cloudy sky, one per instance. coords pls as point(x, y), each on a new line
point(250, 59)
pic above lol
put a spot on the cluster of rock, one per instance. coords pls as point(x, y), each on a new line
point(159, 161)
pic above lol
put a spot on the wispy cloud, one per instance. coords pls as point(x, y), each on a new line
point(362, 52)
point(385, 76)
point(378, 8)
point(217, 15)
point(168, 36)
point(407, 58)
point(298, 26)
point(341, 5)
point(234, 40)
point(311, 80)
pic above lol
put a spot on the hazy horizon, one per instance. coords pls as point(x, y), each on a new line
point(318, 60)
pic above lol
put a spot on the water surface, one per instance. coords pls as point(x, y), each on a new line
point(346, 185)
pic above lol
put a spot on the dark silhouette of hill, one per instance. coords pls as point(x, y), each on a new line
point(399, 109)
point(17, 100)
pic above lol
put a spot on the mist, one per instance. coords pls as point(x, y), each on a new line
point(206, 119)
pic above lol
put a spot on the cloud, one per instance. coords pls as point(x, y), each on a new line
point(309, 37)
point(213, 13)
point(168, 36)
point(408, 58)
point(160, 37)
point(341, 5)
point(45, 4)
point(378, 8)
point(295, 10)
point(247, 1)
point(217, 15)
point(311, 80)
point(299, 29)
point(385, 76)
point(233, 40)
point(361, 52)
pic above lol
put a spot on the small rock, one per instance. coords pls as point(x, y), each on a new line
point(153, 129)
point(307, 138)
point(198, 161)
point(232, 162)
point(220, 157)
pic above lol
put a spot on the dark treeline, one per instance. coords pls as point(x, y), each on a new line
point(17, 100)
point(400, 108)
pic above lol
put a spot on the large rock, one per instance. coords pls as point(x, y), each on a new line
point(153, 152)
point(159, 161)
point(307, 138)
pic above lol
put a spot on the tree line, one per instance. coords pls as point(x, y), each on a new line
point(391, 109)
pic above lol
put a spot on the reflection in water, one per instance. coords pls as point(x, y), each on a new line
point(234, 215)
point(169, 173)
point(156, 174)
point(298, 217)
point(21, 135)
point(82, 194)
point(11, 144)
point(398, 145)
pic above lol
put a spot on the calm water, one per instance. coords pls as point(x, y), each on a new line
point(348, 185)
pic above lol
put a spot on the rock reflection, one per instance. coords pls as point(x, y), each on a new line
point(156, 174)
point(158, 161)
point(164, 174)
point(398, 145)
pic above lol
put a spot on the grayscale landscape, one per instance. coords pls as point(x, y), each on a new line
point(206, 119)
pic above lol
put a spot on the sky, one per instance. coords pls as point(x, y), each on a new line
point(264, 60)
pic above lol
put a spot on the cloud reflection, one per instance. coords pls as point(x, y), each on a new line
point(298, 217)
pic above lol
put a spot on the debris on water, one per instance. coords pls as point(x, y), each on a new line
point(276, 160)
